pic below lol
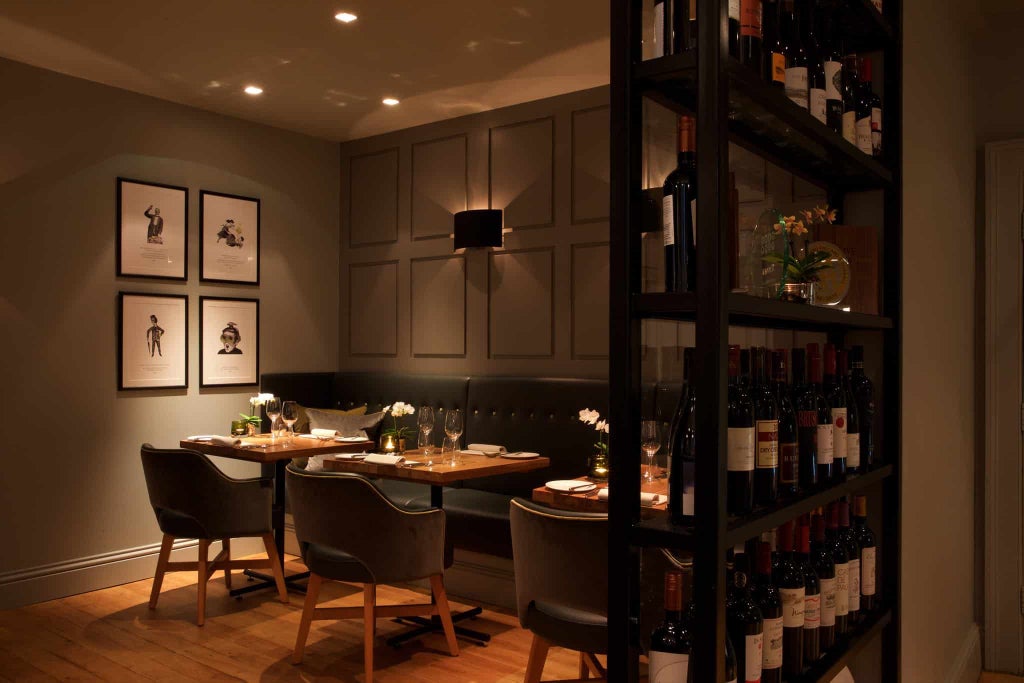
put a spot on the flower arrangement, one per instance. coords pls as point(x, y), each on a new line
point(256, 402)
point(397, 410)
point(808, 266)
point(592, 417)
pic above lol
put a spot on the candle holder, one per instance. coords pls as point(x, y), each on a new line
point(388, 443)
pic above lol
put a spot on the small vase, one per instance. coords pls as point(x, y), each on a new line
point(238, 428)
point(598, 467)
point(252, 429)
point(798, 292)
point(401, 446)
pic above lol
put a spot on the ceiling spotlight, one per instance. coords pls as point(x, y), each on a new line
point(346, 17)
point(253, 90)
point(390, 101)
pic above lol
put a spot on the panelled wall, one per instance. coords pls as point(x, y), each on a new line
point(536, 306)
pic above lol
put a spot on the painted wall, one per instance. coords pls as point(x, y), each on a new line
point(73, 504)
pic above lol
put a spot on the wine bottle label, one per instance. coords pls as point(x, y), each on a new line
point(667, 667)
point(689, 474)
point(867, 571)
point(734, 9)
point(825, 443)
point(793, 607)
point(817, 104)
point(828, 602)
point(750, 18)
point(772, 655)
point(876, 119)
point(812, 611)
point(842, 589)
point(778, 68)
point(833, 80)
point(741, 449)
point(839, 433)
point(850, 127)
point(854, 585)
point(767, 444)
point(659, 29)
point(668, 231)
point(863, 132)
point(796, 85)
point(852, 449)
point(753, 651)
point(789, 469)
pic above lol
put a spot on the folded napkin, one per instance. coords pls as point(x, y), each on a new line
point(486, 448)
point(225, 440)
point(383, 459)
point(646, 499)
point(324, 432)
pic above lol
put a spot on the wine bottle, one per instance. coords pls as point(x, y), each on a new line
point(824, 434)
point(789, 449)
point(852, 416)
point(816, 83)
point(671, 641)
point(750, 34)
point(774, 44)
point(770, 603)
point(682, 454)
point(832, 64)
point(836, 397)
point(806, 407)
point(863, 392)
point(825, 567)
point(862, 105)
point(793, 590)
point(766, 416)
point(796, 57)
point(875, 103)
point(841, 558)
point(731, 666)
point(847, 536)
point(866, 541)
point(673, 31)
point(743, 620)
point(745, 378)
point(740, 465)
point(812, 594)
point(678, 209)
point(850, 100)
point(734, 29)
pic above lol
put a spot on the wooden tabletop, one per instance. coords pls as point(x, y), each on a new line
point(590, 502)
point(264, 450)
point(472, 466)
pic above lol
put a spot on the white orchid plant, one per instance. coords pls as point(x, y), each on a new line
point(397, 410)
point(255, 403)
point(593, 418)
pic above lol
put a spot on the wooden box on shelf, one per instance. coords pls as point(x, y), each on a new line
point(860, 245)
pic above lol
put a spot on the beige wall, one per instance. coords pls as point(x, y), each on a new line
point(73, 504)
point(998, 81)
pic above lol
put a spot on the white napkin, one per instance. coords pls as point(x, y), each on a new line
point(200, 437)
point(485, 448)
point(225, 440)
point(646, 499)
point(323, 432)
point(383, 459)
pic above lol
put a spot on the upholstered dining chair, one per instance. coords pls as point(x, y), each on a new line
point(561, 570)
point(194, 499)
point(348, 530)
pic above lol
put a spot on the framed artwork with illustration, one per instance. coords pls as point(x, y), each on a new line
point(152, 230)
point(229, 341)
point(229, 238)
point(152, 341)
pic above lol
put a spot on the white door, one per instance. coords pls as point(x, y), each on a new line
point(1004, 406)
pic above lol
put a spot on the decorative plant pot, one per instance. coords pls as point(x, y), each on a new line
point(401, 446)
point(798, 292)
point(598, 467)
point(239, 428)
point(252, 428)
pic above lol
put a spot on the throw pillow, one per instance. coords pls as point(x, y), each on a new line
point(302, 425)
point(345, 425)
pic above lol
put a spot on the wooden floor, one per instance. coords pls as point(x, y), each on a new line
point(111, 635)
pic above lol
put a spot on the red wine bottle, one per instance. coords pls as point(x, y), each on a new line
point(766, 416)
point(812, 594)
point(847, 536)
point(875, 102)
point(824, 434)
point(852, 417)
point(731, 666)
point(740, 465)
point(862, 106)
point(806, 407)
point(678, 210)
point(682, 453)
point(734, 29)
point(750, 34)
point(851, 89)
point(774, 70)
point(796, 56)
point(770, 602)
point(743, 620)
point(816, 82)
point(863, 392)
point(866, 540)
point(745, 379)
point(835, 394)
point(841, 558)
point(825, 567)
point(671, 641)
point(792, 586)
point(789, 449)
point(832, 64)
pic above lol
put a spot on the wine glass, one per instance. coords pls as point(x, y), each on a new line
point(273, 408)
point(453, 425)
point(650, 443)
point(290, 415)
point(426, 424)
point(426, 446)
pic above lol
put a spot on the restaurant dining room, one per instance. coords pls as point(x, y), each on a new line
point(317, 318)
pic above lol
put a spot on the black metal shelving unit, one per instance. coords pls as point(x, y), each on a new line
point(732, 104)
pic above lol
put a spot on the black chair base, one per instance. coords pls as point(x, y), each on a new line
point(433, 625)
point(258, 581)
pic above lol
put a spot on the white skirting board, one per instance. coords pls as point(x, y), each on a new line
point(967, 665)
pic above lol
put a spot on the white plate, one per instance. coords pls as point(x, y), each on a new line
point(519, 455)
point(350, 456)
point(834, 281)
point(350, 439)
point(571, 486)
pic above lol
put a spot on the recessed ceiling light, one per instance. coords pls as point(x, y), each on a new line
point(253, 90)
point(390, 101)
point(346, 17)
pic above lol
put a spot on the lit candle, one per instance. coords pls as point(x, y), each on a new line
point(389, 444)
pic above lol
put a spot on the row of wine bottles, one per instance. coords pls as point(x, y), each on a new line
point(787, 607)
point(782, 438)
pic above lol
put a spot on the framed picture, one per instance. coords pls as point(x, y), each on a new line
point(153, 341)
point(152, 230)
point(229, 341)
point(229, 238)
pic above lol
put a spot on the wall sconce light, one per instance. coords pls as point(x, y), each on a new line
point(478, 228)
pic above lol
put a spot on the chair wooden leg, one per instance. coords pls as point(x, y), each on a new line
point(538, 655)
point(275, 566)
point(312, 591)
point(204, 550)
point(441, 598)
point(161, 567)
point(584, 669)
point(592, 663)
point(226, 543)
point(369, 627)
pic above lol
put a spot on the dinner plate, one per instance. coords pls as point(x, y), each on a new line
point(571, 486)
point(350, 456)
point(350, 439)
point(521, 455)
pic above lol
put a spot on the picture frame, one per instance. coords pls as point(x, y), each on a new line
point(229, 342)
point(152, 230)
point(229, 238)
point(152, 341)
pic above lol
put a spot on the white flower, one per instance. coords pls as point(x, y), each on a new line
point(260, 399)
point(601, 426)
point(607, 428)
point(589, 416)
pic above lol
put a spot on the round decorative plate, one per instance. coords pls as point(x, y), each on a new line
point(571, 486)
point(833, 282)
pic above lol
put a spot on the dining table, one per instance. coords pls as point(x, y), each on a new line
point(587, 498)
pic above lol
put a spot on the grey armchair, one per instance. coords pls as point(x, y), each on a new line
point(348, 530)
point(194, 499)
point(561, 569)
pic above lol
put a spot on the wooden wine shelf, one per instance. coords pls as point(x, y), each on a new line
point(752, 311)
point(826, 668)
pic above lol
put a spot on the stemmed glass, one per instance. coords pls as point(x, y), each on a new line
point(273, 408)
point(650, 443)
point(426, 425)
point(453, 425)
point(290, 415)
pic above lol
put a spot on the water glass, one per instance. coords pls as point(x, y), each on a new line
point(650, 443)
point(273, 408)
point(425, 420)
point(450, 452)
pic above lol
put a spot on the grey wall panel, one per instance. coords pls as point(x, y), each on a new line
point(373, 309)
point(521, 303)
point(522, 173)
point(437, 294)
point(373, 196)
point(440, 186)
point(590, 306)
point(590, 159)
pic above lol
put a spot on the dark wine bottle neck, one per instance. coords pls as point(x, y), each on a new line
point(686, 159)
